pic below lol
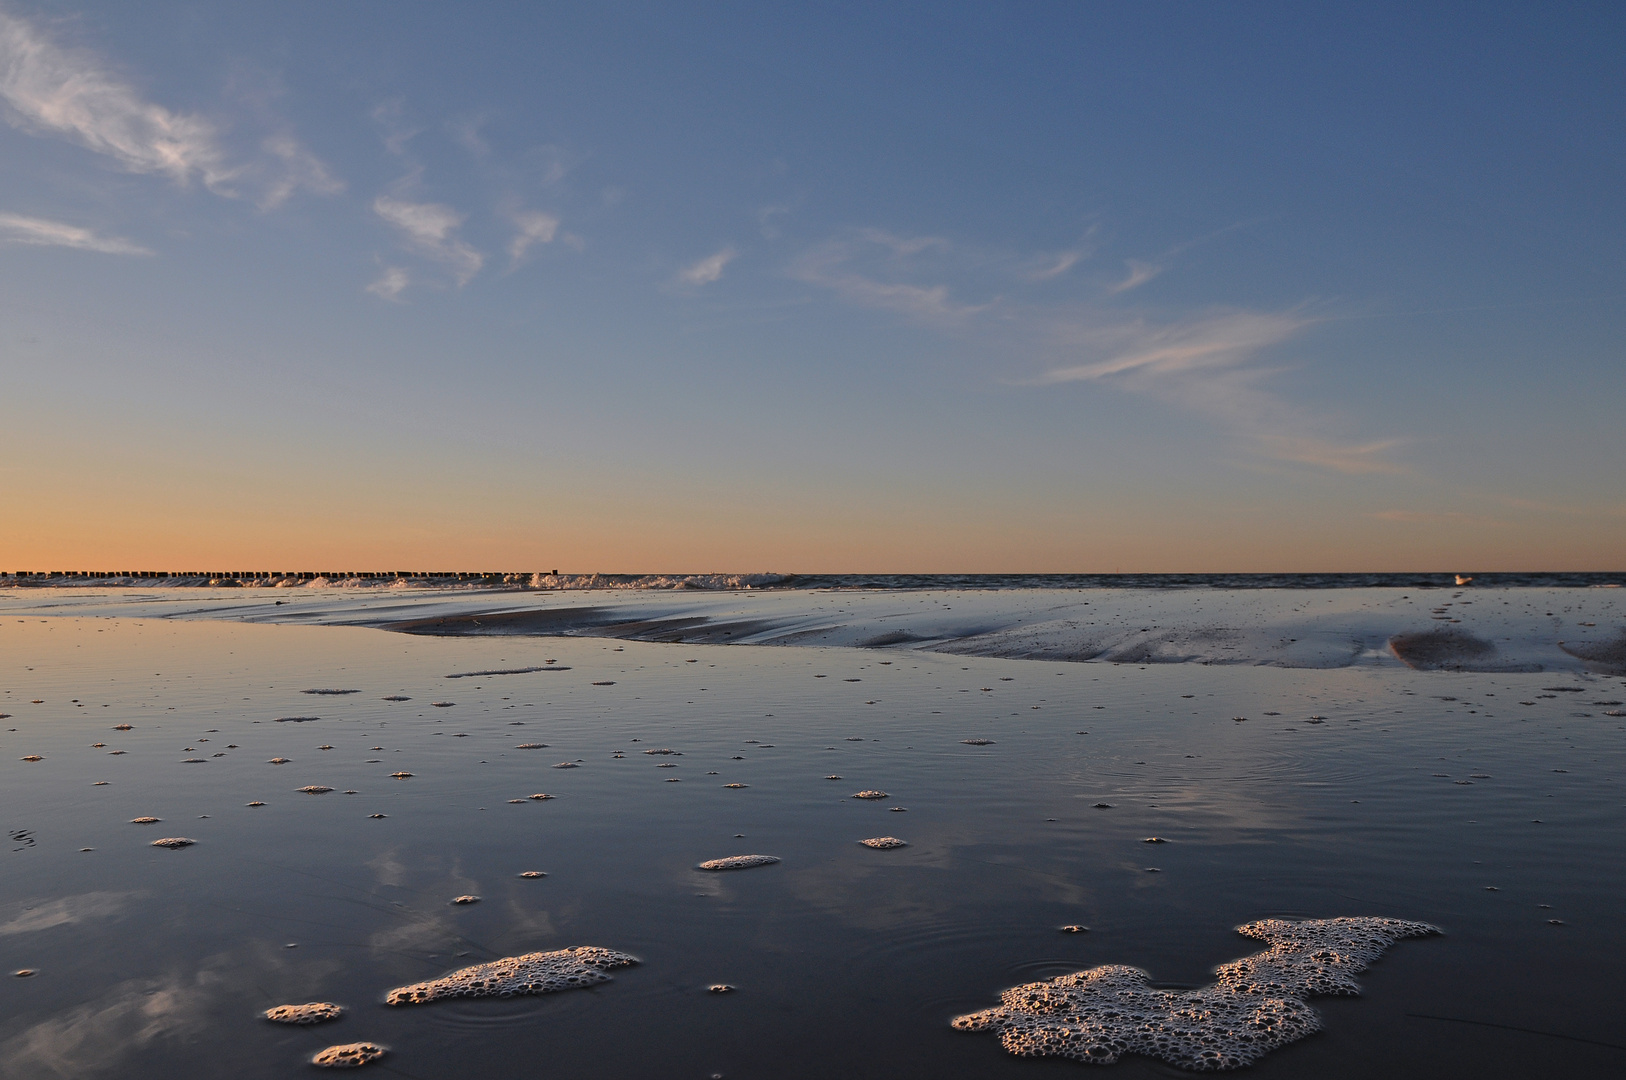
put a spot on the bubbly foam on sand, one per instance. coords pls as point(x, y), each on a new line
point(312, 1013)
point(532, 973)
point(348, 1055)
point(1252, 1008)
point(738, 862)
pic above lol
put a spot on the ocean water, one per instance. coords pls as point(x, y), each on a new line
point(1484, 802)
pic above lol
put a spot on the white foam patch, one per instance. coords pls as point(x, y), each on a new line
point(310, 1013)
point(174, 842)
point(883, 843)
point(348, 1055)
point(739, 862)
point(1253, 1007)
point(531, 973)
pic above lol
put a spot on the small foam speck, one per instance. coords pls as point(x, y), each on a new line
point(539, 796)
point(978, 742)
point(532, 874)
point(566, 765)
point(311, 1013)
point(532, 973)
point(174, 842)
point(348, 1055)
point(145, 820)
point(871, 795)
point(882, 843)
point(470, 899)
point(532, 746)
point(314, 789)
point(736, 785)
point(1253, 1007)
point(738, 862)
point(401, 775)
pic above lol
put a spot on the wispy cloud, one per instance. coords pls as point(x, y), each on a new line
point(299, 169)
point(17, 229)
point(1211, 363)
point(532, 227)
point(1135, 345)
point(390, 284)
point(51, 90)
point(1056, 265)
point(707, 270)
point(430, 229)
point(1139, 274)
point(873, 268)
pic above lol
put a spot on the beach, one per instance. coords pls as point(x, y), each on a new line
point(1478, 794)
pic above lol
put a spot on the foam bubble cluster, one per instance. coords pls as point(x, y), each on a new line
point(883, 842)
point(310, 1013)
point(532, 973)
point(348, 1055)
point(738, 862)
point(174, 842)
point(1253, 1007)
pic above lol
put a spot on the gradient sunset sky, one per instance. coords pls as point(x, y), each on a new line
point(812, 287)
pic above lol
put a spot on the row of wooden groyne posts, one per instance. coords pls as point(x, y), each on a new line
point(253, 577)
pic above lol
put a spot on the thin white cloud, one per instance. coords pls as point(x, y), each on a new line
point(299, 168)
point(1207, 364)
point(1057, 265)
point(40, 232)
point(50, 89)
point(870, 267)
point(1214, 341)
point(390, 284)
point(389, 115)
point(1139, 274)
point(430, 229)
point(532, 227)
point(47, 89)
point(707, 270)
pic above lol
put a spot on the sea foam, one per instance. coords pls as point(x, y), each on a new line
point(531, 973)
point(1253, 1007)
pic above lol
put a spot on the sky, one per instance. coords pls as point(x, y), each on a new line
point(816, 287)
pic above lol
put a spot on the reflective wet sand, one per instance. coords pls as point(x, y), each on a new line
point(1434, 796)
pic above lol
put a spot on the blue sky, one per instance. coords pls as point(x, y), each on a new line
point(813, 287)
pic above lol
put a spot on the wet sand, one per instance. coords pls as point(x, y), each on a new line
point(1437, 796)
